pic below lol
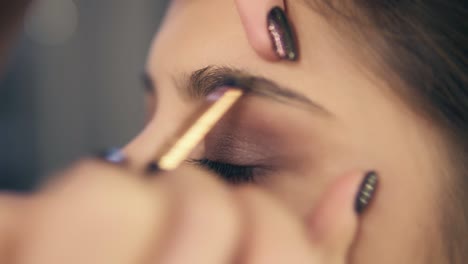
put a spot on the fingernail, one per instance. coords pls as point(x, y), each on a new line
point(113, 156)
point(366, 192)
point(282, 35)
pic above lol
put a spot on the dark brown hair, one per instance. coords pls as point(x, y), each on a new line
point(424, 43)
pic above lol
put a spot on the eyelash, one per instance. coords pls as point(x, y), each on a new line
point(233, 174)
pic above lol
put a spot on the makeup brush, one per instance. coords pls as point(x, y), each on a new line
point(176, 152)
point(173, 154)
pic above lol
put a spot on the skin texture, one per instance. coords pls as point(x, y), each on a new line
point(101, 213)
point(369, 127)
point(301, 210)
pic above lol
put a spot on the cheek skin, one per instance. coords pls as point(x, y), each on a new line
point(407, 202)
point(402, 147)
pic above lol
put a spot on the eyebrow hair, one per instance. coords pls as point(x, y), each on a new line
point(202, 82)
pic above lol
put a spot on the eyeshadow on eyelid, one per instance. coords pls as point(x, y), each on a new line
point(244, 146)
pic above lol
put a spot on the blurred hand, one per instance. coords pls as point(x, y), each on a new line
point(98, 213)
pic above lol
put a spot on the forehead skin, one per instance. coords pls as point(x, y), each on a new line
point(372, 128)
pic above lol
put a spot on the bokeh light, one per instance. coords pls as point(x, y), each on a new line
point(52, 22)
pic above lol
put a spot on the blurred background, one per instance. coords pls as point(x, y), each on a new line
point(73, 84)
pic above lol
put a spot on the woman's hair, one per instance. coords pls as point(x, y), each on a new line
point(424, 44)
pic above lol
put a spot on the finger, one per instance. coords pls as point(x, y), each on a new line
point(273, 234)
point(208, 226)
point(11, 207)
point(273, 43)
point(334, 222)
point(97, 214)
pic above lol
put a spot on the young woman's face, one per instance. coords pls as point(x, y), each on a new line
point(324, 115)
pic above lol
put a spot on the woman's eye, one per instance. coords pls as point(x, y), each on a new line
point(234, 174)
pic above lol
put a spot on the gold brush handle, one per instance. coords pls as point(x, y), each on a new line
point(181, 149)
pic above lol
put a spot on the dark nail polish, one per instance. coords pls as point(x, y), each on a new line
point(366, 192)
point(114, 156)
point(282, 35)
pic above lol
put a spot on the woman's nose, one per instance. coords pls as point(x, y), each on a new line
point(159, 133)
point(145, 147)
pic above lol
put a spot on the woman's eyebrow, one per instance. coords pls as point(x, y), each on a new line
point(201, 83)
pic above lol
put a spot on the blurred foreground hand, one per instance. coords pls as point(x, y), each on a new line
point(98, 213)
